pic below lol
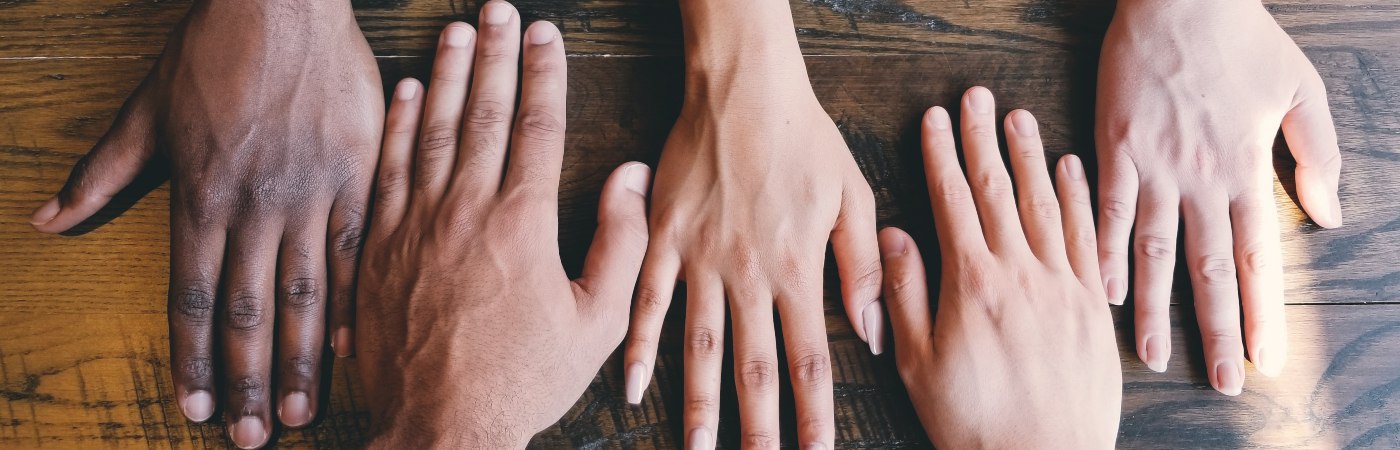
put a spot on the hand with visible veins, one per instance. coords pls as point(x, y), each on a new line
point(1021, 353)
point(269, 116)
point(754, 181)
point(470, 333)
point(1191, 96)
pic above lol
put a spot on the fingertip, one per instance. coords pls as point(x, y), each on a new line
point(936, 118)
point(198, 406)
point(343, 343)
point(541, 32)
point(637, 177)
point(636, 374)
point(45, 213)
point(894, 242)
point(407, 89)
point(1023, 123)
point(458, 34)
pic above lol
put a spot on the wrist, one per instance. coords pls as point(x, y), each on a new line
point(276, 17)
point(727, 46)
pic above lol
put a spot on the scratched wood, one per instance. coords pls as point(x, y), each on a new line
point(83, 356)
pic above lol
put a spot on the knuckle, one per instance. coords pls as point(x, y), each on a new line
point(301, 293)
point(649, 301)
point(1116, 209)
point(700, 405)
point(348, 240)
point(705, 342)
point(1257, 260)
point(902, 288)
point(1042, 207)
point(1217, 270)
point(758, 374)
point(250, 388)
point(977, 284)
point(811, 368)
point(195, 304)
point(952, 193)
point(993, 184)
point(759, 440)
point(392, 180)
point(870, 276)
point(544, 67)
point(196, 369)
point(487, 113)
point(437, 138)
point(302, 365)
point(245, 312)
point(541, 126)
point(1156, 248)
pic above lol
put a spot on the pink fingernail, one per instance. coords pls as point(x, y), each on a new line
point(874, 320)
point(198, 406)
point(248, 433)
point(295, 409)
point(938, 117)
point(1115, 291)
point(1155, 353)
point(46, 212)
point(496, 13)
point(1228, 378)
point(1024, 123)
point(457, 36)
point(636, 382)
point(407, 90)
point(700, 439)
point(637, 177)
point(542, 33)
point(341, 343)
point(980, 99)
point(1074, 167)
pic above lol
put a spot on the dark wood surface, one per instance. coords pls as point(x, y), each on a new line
point(83, 352)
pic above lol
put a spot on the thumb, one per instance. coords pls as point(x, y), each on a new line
point(112, 164)
point(613, 261)
point(1313, 141)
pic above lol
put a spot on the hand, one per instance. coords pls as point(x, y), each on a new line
point(753, 182)
point(1191, 96)
point(269, 118)
point(1022, 351)
point(471, 335)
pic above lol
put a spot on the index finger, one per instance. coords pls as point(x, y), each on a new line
point(954, 216)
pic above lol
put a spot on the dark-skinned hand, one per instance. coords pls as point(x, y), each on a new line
point(269, 117)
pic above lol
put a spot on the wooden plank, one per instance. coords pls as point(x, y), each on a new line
point(621, 109)
point(107, 28)
point(107, 386)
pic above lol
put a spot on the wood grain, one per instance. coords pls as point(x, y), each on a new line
point(83, 355)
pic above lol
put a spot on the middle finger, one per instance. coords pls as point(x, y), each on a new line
point(247, 331)
point(755, 366)
point(986, 173)
point(1212, 265)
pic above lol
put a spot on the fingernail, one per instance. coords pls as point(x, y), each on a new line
point(1267, 366)
point(700, 439)
point(1074, 167)
point(636, 382)
point(980, 99)
point(407, 90)
point(1156, 353)
point(495, 13)
point(1115, 291)
point(46, 212)
point(542, 34)
point(342, 342)
point(938, 117)
point(637, 177)
point(248, 432)
point(1024, 123)
point(457, 36)
point(198, 406)
point(892, 246)
point(874, 327)
point(1228, 379)
point(295, 409)
point(1335, 210)
point(815, 446)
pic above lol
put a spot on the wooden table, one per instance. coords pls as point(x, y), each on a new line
point(83, 352)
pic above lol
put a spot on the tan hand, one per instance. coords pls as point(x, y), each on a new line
point(471, 335)
point(1021, 353)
